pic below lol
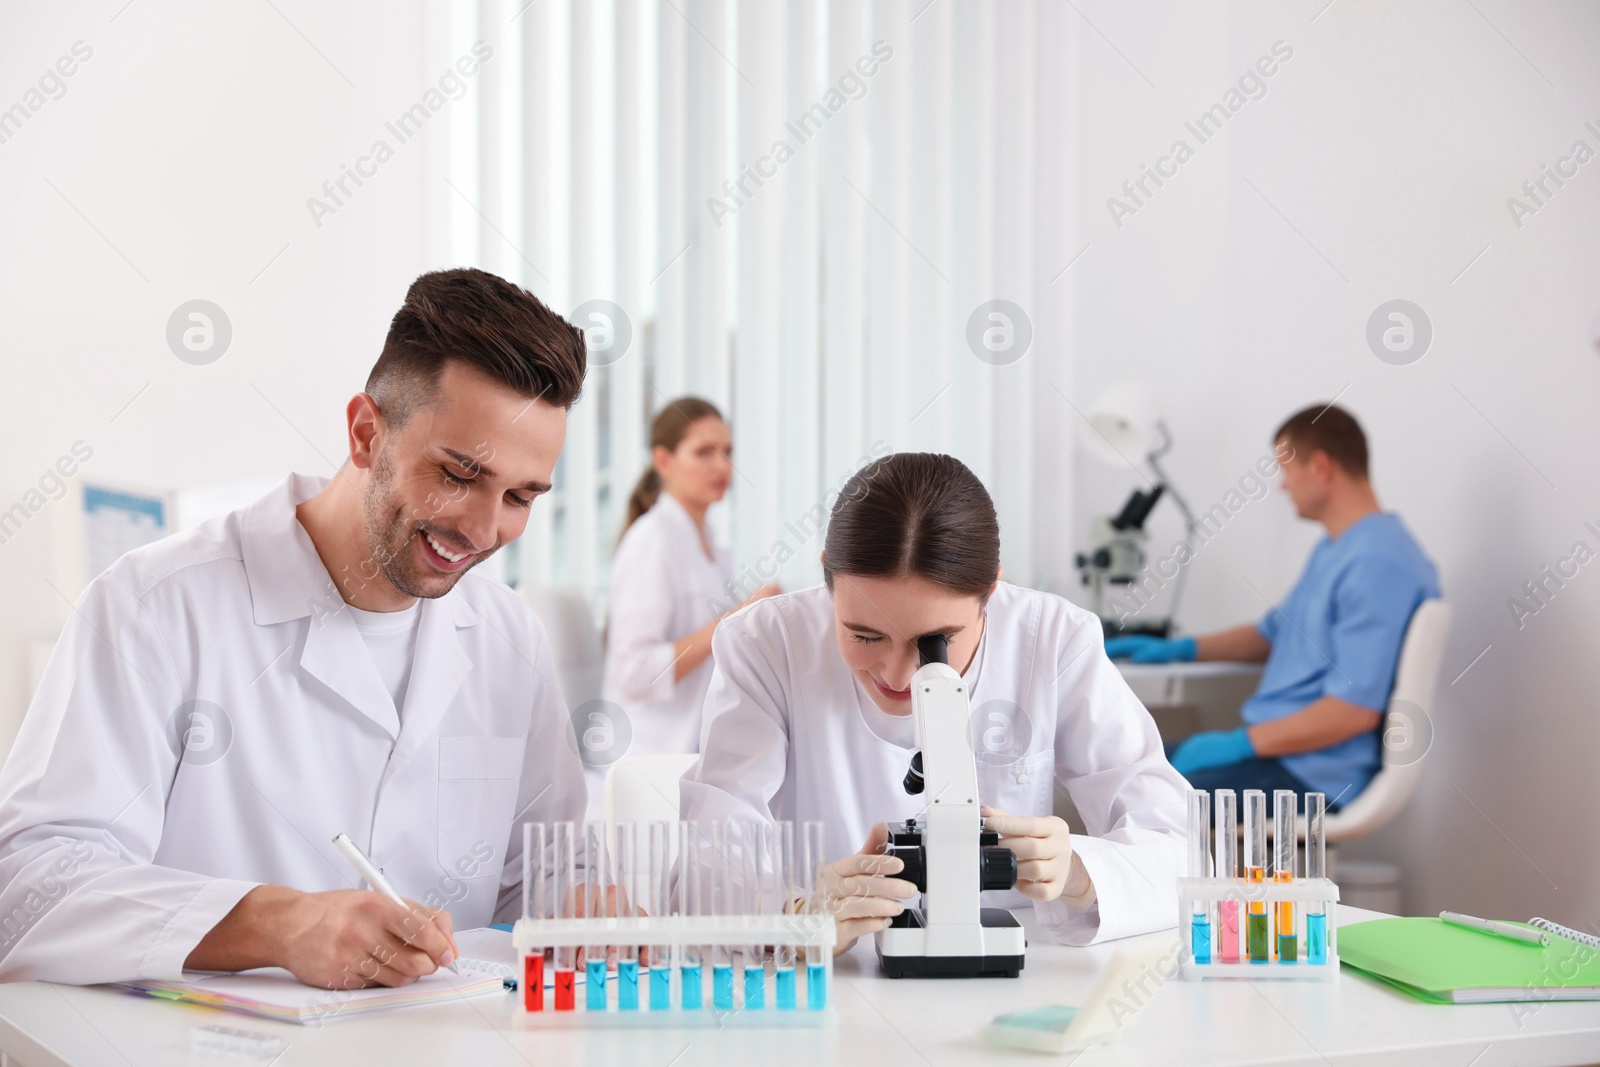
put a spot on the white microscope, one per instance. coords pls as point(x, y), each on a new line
point(950, 935)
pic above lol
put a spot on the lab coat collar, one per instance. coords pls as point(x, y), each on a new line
point(673, 511)
point(288, 581)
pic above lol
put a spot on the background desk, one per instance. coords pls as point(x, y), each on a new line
point(1184, 698)
point(1351, 1021)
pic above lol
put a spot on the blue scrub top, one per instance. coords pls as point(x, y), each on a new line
point(1339, 634)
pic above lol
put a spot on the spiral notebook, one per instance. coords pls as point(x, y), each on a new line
point(487, 959)
point(1446, 964)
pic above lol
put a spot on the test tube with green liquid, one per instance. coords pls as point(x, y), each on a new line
point(1255, 860)
point(1284, 845)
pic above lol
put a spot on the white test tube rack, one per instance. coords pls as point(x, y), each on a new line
point(1300, 892)
point(664, 937)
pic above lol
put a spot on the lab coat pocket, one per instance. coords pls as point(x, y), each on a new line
point(478, 780)
point(1020, 786)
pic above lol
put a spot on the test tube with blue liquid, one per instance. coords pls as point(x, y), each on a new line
point(657, 893)
point(1284, 847)
point(1255, 860)
point(1316, 867)
point(623, 866)
point(816, 961)
point(783, 955)
point(690, 965)
point(534, 906)
point(1225, 936)
point(566, 902)
point(755, 863)
point(723, 835)
point(594, 971)
point(1199, 867)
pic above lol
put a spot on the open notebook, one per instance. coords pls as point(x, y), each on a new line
point(1436, 961)
point(487, 959)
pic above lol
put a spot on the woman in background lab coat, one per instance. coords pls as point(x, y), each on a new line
point(808, 715)
point(671, 583)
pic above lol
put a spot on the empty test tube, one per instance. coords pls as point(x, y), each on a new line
point(689, 969)
point(1316, 867)
point(816, 960)
point(659, 891)
point(594, 971)
point(623, 869)
point(566, 890)
point(1284, 847)
point(535, 894)
point(1226, 932)
point(1255, 859)
point(1200, 867)
point(783, 955)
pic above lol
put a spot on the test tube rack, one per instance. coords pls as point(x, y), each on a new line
point(677, 926)
point(665, 938)
point(1302, 893)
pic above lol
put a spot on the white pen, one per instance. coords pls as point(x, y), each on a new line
point(1489, 926)
point(368, 870)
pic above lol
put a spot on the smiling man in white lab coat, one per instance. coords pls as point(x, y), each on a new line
point(225, 701)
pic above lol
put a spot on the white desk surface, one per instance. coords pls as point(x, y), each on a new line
point(1353, 1020)
point(1195, 669)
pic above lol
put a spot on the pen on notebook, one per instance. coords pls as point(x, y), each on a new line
point(1489, 926)
point(368, 870)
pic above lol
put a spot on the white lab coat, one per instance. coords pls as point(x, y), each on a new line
point(789, 734)
point(663, 588)
point(117, 856)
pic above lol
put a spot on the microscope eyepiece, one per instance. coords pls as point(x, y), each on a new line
point(933, 648)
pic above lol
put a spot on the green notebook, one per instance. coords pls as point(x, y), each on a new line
point(1447, 964)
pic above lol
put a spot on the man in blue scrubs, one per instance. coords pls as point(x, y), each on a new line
point(1330, 649)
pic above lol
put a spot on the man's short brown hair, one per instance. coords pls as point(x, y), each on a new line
point(1330, 429)
point(476, 318)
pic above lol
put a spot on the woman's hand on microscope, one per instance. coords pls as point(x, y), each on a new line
point(858, 892)
point(1047, 868)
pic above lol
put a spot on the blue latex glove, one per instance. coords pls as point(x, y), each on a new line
point(1142, 648)
point(1214, 748)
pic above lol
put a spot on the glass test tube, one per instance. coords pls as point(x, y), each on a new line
point(594, 970)
point(656, 904)
point(1227, 856)
point(623, 866)
point(1284, 846)
point(534, 895)
point(690, 956)
point(723, 836)
point(783, 871)
point(1316, 867)
point(566, 902)
point(1255, 859)
point(1200, 867)
point(816, 958)
point(755, 864)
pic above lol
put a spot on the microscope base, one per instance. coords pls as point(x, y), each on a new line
point(902, 949)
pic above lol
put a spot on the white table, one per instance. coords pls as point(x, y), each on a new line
point(1168, 684)
point(1353, 1020)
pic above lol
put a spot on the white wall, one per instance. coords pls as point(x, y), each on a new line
point(1390, 141)
point(191, 140)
